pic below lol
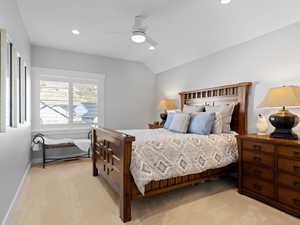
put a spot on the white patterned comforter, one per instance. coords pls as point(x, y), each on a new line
point(160, 154)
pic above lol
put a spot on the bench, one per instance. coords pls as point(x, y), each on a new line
point(40, 139)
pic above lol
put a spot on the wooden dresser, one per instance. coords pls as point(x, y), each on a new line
point(269, 171)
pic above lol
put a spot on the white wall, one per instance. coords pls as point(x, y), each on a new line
point(15, 143)
point(268, 61)
point(129, 86)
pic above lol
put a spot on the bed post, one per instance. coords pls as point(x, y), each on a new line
point(95, 170)
point(243, 91)
point(111, 159)
point(126, 182)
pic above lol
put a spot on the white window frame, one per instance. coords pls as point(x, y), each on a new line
point(3, 63)
point(71, 77)
point(15, 123)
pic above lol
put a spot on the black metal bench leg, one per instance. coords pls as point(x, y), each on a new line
point(44, 155)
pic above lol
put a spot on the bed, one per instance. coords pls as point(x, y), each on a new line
point(124, 159)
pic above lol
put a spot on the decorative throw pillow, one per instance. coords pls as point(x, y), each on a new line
point(180, 122)
point(218, 125)
point(226, 111)
point(201, 123)
point(193, 108)
point(169, 120)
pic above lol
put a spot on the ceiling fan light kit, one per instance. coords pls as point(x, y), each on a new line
point(138, 37)
point(224, 2)
point(139, 33)
point(75, 32)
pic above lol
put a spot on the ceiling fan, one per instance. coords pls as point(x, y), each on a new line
point(139, 33)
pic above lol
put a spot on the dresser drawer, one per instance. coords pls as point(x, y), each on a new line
point(258, 158)
point(289, 197)
point(258, 147)
point(291, 166)
point(259, 186)
point(254, 171)
point(291, 152)
point(291, 181)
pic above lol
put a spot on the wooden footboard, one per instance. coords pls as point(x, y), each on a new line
point(111, 159)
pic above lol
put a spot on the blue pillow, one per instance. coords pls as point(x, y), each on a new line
point(169, 120)
point(202, 123)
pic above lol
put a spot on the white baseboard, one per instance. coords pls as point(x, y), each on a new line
point(16, 196)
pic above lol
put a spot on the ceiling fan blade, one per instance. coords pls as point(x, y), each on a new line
point(151, 41)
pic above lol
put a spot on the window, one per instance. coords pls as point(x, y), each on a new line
point(25, 92)
point(9, 86)
point(54, 102)
point(84, 103)
point(20, 88)
point(3, 73)
point(68, 100)
point(12, 85)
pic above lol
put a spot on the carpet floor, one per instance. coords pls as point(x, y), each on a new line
point(66, 193)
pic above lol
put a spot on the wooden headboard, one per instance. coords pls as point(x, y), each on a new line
point(237, 93)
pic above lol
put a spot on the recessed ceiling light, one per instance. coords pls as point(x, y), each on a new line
point(138, 37)
point(224, 2)
point(151, 48)
point(75, 32)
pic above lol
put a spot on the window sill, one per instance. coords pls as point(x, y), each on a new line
point(65, 130)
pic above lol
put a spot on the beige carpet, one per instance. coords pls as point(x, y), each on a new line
point(67, 194)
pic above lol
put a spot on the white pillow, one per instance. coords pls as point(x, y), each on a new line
point(226, 111)
point(193, 108)
point(180, 122)
point(218, 124)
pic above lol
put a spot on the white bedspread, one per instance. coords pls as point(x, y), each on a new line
point(161, 154)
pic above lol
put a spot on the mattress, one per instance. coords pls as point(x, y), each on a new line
point(161, 154)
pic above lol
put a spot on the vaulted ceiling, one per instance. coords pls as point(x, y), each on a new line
point(185, 29)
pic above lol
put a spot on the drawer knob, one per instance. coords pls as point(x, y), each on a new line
point(255, 158)
point(256, 187)
point(297, 184)
point(257, 147)
point(296, 201)
point(296, 153)
point(297, 168)
point(257, 173)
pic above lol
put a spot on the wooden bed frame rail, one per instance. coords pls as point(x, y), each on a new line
point(112, 154)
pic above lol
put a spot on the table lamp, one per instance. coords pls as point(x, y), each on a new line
point(166, 104)
point(283, 121)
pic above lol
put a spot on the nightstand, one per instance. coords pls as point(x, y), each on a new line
point(155, 126)
point(269, 171)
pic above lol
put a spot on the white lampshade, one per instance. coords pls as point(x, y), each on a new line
point(288, 96)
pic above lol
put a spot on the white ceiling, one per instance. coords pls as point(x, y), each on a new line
point(185, 29)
